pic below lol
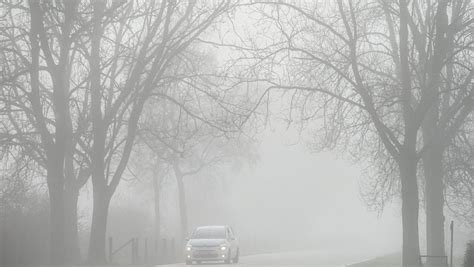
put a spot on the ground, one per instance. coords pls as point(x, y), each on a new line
point(317, 259)
point(301, 259)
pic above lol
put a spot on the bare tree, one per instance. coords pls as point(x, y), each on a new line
point(128, 65)
point(78, 75)
point(40, 107)
point(188, 143)
point(356, 67)
point(443, 46)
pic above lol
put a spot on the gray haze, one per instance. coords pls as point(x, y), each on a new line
point(254, 133)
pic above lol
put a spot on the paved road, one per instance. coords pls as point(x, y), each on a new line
point(304, 258)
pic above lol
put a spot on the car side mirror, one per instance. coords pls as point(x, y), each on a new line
point(186, 239)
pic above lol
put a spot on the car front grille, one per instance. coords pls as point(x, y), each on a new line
point(206, 254)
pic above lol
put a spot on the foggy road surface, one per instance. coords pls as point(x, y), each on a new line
point(304, 258)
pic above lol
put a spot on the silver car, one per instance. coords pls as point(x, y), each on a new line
point(212, 243)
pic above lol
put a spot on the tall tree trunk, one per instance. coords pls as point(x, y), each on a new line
point(410, 206)
point(101, 197)
point(434, 188)
point(433, 170)
point(72, 250)
point(98, 228)
point(54, 147)
point(432, 134)
point(183, 212)
point(56, 199)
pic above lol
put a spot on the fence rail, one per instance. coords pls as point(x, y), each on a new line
point(141, 253)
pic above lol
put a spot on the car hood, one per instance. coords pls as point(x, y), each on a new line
point(206, 242)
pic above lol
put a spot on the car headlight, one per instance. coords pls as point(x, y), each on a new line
point(223, 248)
point(188, 248)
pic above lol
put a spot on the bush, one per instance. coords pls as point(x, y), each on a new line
point(469, 256)
point(24, 230)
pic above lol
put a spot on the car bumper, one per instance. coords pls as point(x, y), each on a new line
point(206, 255)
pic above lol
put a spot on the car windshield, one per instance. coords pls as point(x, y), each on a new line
point(209, 233)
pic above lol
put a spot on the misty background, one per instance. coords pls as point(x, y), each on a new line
point(297, 200)
point(340, 128)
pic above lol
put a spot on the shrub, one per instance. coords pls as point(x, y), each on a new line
point(469, 256)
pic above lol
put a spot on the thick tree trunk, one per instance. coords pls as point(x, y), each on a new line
point(433, 170)
point(98, 228)
point(101, 197)
point(56, 199)
point(183, 212)
point(72, 250)
point(434, 187)
point(410, 207)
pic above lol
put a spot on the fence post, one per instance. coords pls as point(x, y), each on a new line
point(452, 233)
point(155, 251)
point(164, 250)
point(133, 251)
point(146, 251)
point(110, 250)
point(137, 253)
point(172, 245)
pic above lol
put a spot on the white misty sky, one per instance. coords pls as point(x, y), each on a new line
point(313, 197)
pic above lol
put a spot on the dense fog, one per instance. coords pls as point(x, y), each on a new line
point(292, 133)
